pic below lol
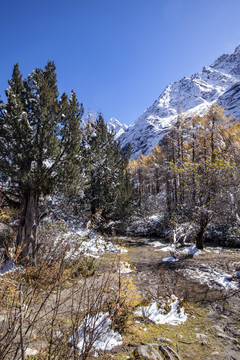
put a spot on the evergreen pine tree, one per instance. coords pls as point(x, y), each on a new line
point(39, 140)
point(108, 188)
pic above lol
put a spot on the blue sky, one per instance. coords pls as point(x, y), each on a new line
point(118, 55)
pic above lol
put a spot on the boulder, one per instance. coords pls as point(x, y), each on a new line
point(147, 352)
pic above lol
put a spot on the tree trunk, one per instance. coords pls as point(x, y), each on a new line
point(204, 219)
point(168, 194)
point(200, 239)
point(27, 231)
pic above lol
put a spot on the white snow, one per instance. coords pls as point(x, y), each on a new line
point(187, 250)
point(157, 243)
point(211, 277)
point(170, 259)
point(86, 241)
point(190, 250)
point(158, 315)
point(96, 329)
point(31, 352)
point(114, 125)
point(9, 267)
point(125, 268)
point(96, 245)
point(219, 249)
point(166, 248)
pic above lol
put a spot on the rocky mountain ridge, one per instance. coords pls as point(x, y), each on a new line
point(217, 83)
point(115, 125)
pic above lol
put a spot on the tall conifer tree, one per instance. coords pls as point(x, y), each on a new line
point(108, 188)
point(39, 140)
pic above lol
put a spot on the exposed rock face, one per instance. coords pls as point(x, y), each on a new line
point(114, 125)
point(218, 83)
point(230, 100)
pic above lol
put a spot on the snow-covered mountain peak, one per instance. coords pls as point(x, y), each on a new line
point(115, 125)
point(217, 83)
point(229, 64)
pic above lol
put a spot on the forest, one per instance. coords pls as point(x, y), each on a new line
point(61, 168)
point(192, 178)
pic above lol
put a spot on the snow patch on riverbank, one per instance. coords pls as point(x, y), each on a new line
point(96, 330)
point(211, 277)
point(156, 312)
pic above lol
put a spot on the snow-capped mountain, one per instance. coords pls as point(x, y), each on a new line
point(218, 83)
point(114, 125)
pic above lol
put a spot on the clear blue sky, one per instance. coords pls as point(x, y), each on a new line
point(118, 55)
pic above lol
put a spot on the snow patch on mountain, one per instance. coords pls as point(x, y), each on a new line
point(118, 128)
point(218, 83)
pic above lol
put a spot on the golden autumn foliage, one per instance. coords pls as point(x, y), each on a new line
point(195, 168)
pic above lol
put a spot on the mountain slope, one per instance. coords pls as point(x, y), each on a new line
point(114, 125)
point(218, 83)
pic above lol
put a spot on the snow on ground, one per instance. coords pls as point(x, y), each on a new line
point(9, 267)
point(125, 268)
point(78, 241)
point(157, 312)
point(211, 277)
point(170, 259)
point(190, 250)
point(157, 243)
point(86, 241)
point(166, 248)
point(94, 243)
point(187, 250)
point(97, 330)
point(220, 249)
point(96, 246)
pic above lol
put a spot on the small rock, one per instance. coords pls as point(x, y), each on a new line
point(148, 351)
point(224, 336)
point(166, 340)
point(224, 317)
point(217, 328)
point(215, 353)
